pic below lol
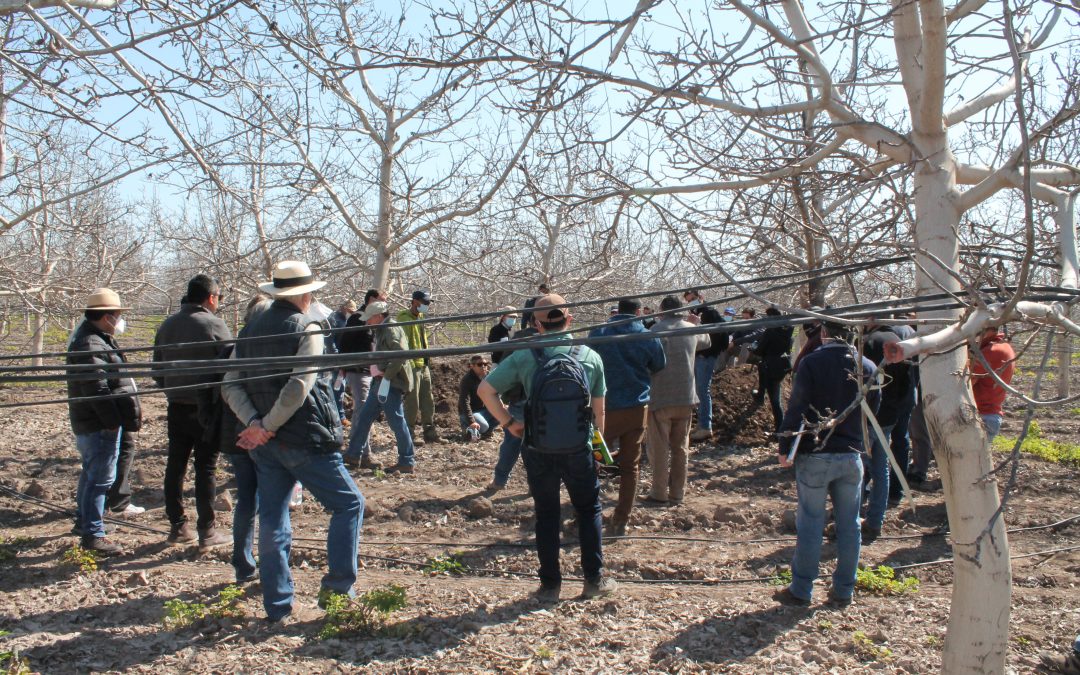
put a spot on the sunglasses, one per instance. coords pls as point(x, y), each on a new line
point(481, 363)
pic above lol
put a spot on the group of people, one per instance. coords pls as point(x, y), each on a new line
point(283, 426)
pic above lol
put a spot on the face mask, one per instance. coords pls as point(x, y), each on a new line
point(728, 317)
point(693, 302)
point(509, 323)
point(120, 326)
point(423, 309)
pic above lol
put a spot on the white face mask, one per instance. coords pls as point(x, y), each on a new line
point(120, 326)
point(423, 309)
point(509, 322)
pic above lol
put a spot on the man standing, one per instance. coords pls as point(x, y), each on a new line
point(421, 399)
point(705, 362)
point(193, 330)
point(392, 380)
point(824, 406)
point(294, 434)
point(546, 470)
point(500, 332)
point(774, 350)
point(358, 340)
point(671, 407)
point(989, 395)
point(628, 367)
point(339, 318)
point(526, 315)
point(99, 423)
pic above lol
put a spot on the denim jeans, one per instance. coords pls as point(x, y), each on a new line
point(481, 417)
point(247, 506)
point(324, 476)
point(901, 442)
point(395, 418)
point(338, 387)
point(98, 451)
point(703, 372)
point(187, 443)
point(578, 471)
point(838, 475)
point(992, 423)
point(878, 481)
point(120, 493)
point(509, 449)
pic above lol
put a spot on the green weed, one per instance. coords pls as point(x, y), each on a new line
point(77, 556)
point(366, 615)
point(867, 649)
point(10, 661)
point(882, 581)
point(825, 625)
point(782, 578)
point(379, 474)
point(181, 614)
point(1043, 448)
point(452, 563)
point(544, 652)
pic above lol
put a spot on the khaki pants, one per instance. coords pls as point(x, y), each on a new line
point(420, 399)
point(668, 444)
point(627, 426)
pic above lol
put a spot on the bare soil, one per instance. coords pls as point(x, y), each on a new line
point(693, 598)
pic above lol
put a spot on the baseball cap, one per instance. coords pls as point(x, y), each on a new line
point(545, 315)
point(729, 310)
point(422, 295)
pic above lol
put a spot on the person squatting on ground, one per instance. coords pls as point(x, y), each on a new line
point(895, 397)
point(392, 380)
point(989, 395)
point(475, 420)
point(827, 462)
point(628, 366)
point(420, 401)
point(704, 361)
point(189, 335)
point(774, 363)
point(566, 423)
point(294, 434)
point(99, 422)
point(671, 407)
point(500, 332)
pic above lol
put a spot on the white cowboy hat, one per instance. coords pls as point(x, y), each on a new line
point(104, 298)
point(291, 277)
point(372, 308)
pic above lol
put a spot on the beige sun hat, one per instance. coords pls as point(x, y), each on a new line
point(509, 309)
point(372, 308)
point(104, 298)
point(291, 277)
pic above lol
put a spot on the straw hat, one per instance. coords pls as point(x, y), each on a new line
point(104, 298)
point(291, 277)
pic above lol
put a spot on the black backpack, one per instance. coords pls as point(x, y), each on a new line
point(558, 414)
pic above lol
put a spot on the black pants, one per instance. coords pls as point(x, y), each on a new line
point(769, 385)
point(119, 495)
point(186, 436)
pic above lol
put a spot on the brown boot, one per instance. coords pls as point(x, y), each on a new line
point(367, 463)
point(180, 534)
point(101, 545)
point(211, 538)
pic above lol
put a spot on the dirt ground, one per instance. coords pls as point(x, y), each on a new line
point(694, 594)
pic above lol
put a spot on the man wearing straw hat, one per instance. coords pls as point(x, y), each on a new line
point(98, 423)
point(294, 434)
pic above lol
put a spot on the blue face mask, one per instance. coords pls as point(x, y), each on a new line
point(423, 309)
point(728, 317)
point(509, 322)
point(693, 302)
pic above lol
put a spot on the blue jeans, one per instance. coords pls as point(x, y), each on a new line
point(901, 442)
point(481, 417)
point(509, 449)
point(338, 385)
point(703, 372)
point(247, 505)
point(395, 418)
point(878, 481)
point(992, 423)
point(324, 476)
point(838, 475)
point(578, 471)
point(98, 451)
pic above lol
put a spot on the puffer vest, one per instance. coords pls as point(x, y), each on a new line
point(316, 425)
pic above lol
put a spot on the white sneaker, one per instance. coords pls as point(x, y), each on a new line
point(131, 510)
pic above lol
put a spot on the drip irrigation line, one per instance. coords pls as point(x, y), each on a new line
point(810, 275)
point(158, 369)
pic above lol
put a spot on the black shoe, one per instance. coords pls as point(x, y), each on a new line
point(101, 546)
point(785, 597)
point(870, 534)
point(548, 592)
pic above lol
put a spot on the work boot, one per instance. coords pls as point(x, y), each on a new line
point(494, 486)
point(211, 538)
point(598, 587)
point(701, 434)
point(547, 593)
point(400, 468)
point(367, 463)
point(101, 546)
point(351, 461)
point(431, 434)
point(180, 534)
point(417, 441)
point(615, 528)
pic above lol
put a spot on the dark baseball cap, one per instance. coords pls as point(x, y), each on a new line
point(422, 295)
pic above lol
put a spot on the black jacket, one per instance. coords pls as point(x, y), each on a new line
point(898, 380)
point(774, 348)
point(88, 345)
point(219, 423)
point(498, 333)
point(719, 340)
point(356, 341)
point(191, 323)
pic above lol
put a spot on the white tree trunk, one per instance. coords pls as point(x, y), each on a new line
point(380, 272)
point(979, 620)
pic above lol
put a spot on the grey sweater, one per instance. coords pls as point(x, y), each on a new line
point(673, 385)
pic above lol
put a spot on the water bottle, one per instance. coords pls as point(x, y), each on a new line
point(297, 496)
point(384, 389)
point(474, 434)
